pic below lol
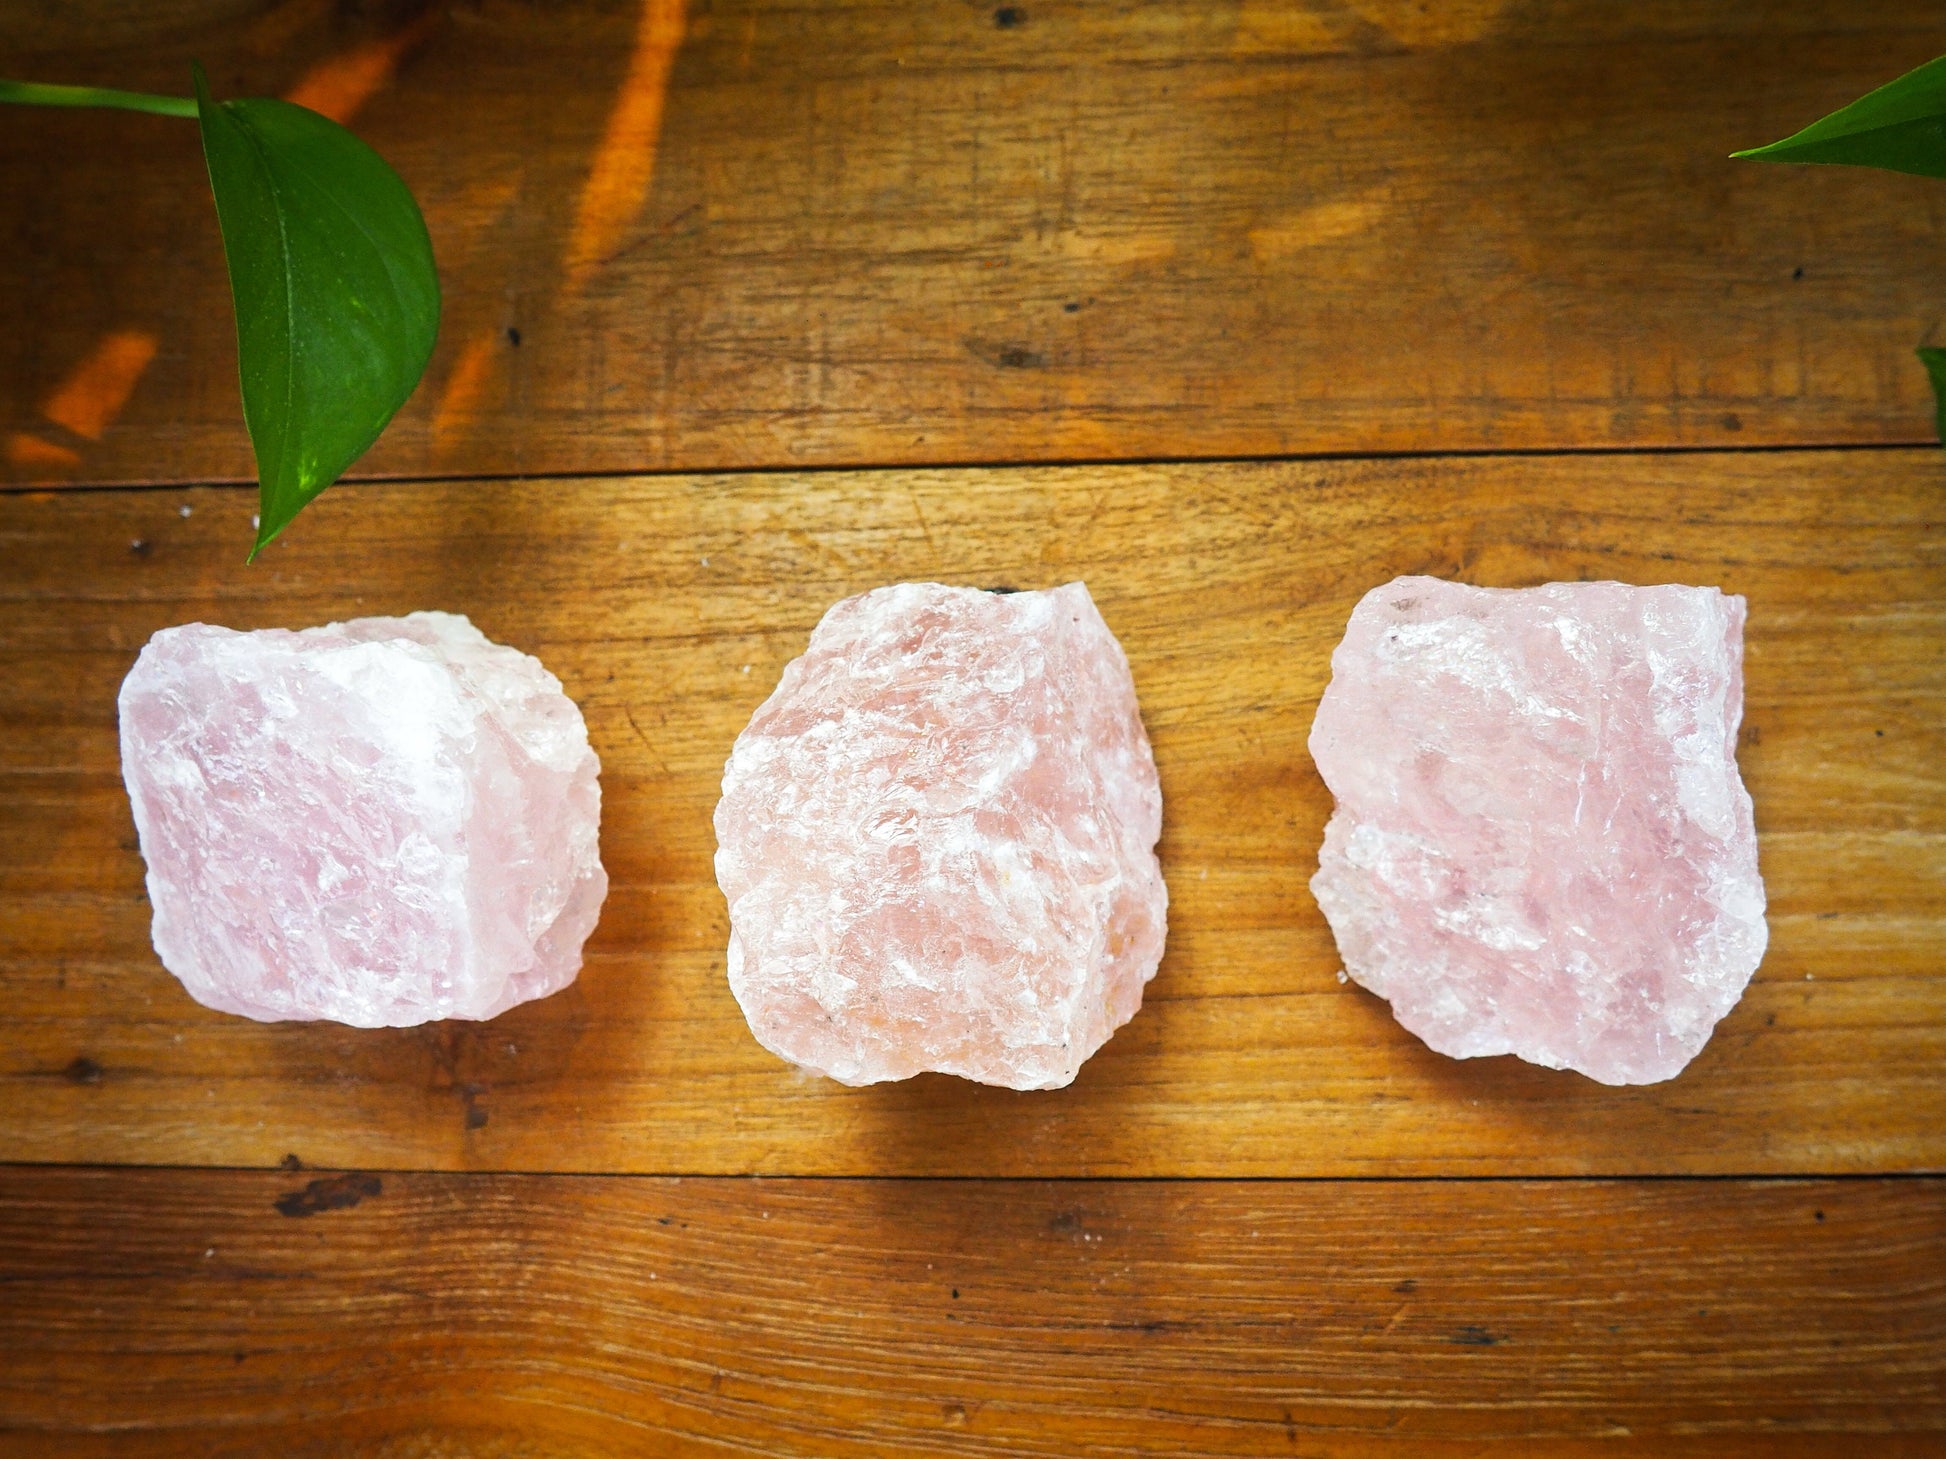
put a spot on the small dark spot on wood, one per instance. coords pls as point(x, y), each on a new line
point(238, 1357)
point(82, 1070)
point(956, 1294)
point(1798, 272)
point(1817, 1215)
point(663, 1220)
point(1472, 1335)
point(474, 1117)
point(290, 1162)
point(140, 547)
point(1067, 1222)
point(1003, 356)
point(1073, 306)
point(1003, 590)
point(1879, 733)
point(1406, 1287)
point(1010, 17)
point(513, 336)
point(1770, 1020)
point(1732, 421)
point(1753, 735)
point(329, 1193)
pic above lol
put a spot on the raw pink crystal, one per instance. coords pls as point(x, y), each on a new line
point(1542, 845)
point(937, 841)
point(379, 822)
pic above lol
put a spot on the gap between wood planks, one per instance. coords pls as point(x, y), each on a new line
point(1849, 1177)
point(1472, 453)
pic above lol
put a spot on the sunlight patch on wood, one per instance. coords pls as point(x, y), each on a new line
point(1276, 27)
point(1432, 22)
point(339, 86)
point(466, 386)
point(95, 391)
point(1104, 248)
point(26, 450)
point(1324, 223)
point(624, 161)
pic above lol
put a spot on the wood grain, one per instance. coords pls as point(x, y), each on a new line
point(669, 606)
point(883, 233)
point(181, 1312)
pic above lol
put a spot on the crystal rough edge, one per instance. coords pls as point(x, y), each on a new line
point(380, 822)
point(937, 838)
point(1542, 845)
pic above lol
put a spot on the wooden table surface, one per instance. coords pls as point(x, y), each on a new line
point(1232, 310)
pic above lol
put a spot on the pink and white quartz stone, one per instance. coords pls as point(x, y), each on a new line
point(1542, 845)
point(937, 840)
point(379, 822)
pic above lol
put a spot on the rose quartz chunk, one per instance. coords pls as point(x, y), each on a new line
point(379, 822)
point(1542, 846)
point(937, 841)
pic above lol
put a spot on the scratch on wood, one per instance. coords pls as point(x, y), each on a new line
point(924, 530)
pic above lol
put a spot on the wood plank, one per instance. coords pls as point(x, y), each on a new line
point(669, 606)
point(177, 1312)
point(884, 233)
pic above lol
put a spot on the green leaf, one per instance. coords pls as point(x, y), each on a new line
point(337, 302)
point(1900, 127)
point(1934, 359)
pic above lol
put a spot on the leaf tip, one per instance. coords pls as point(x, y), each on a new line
point(266, 534)
point(1933, 357)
